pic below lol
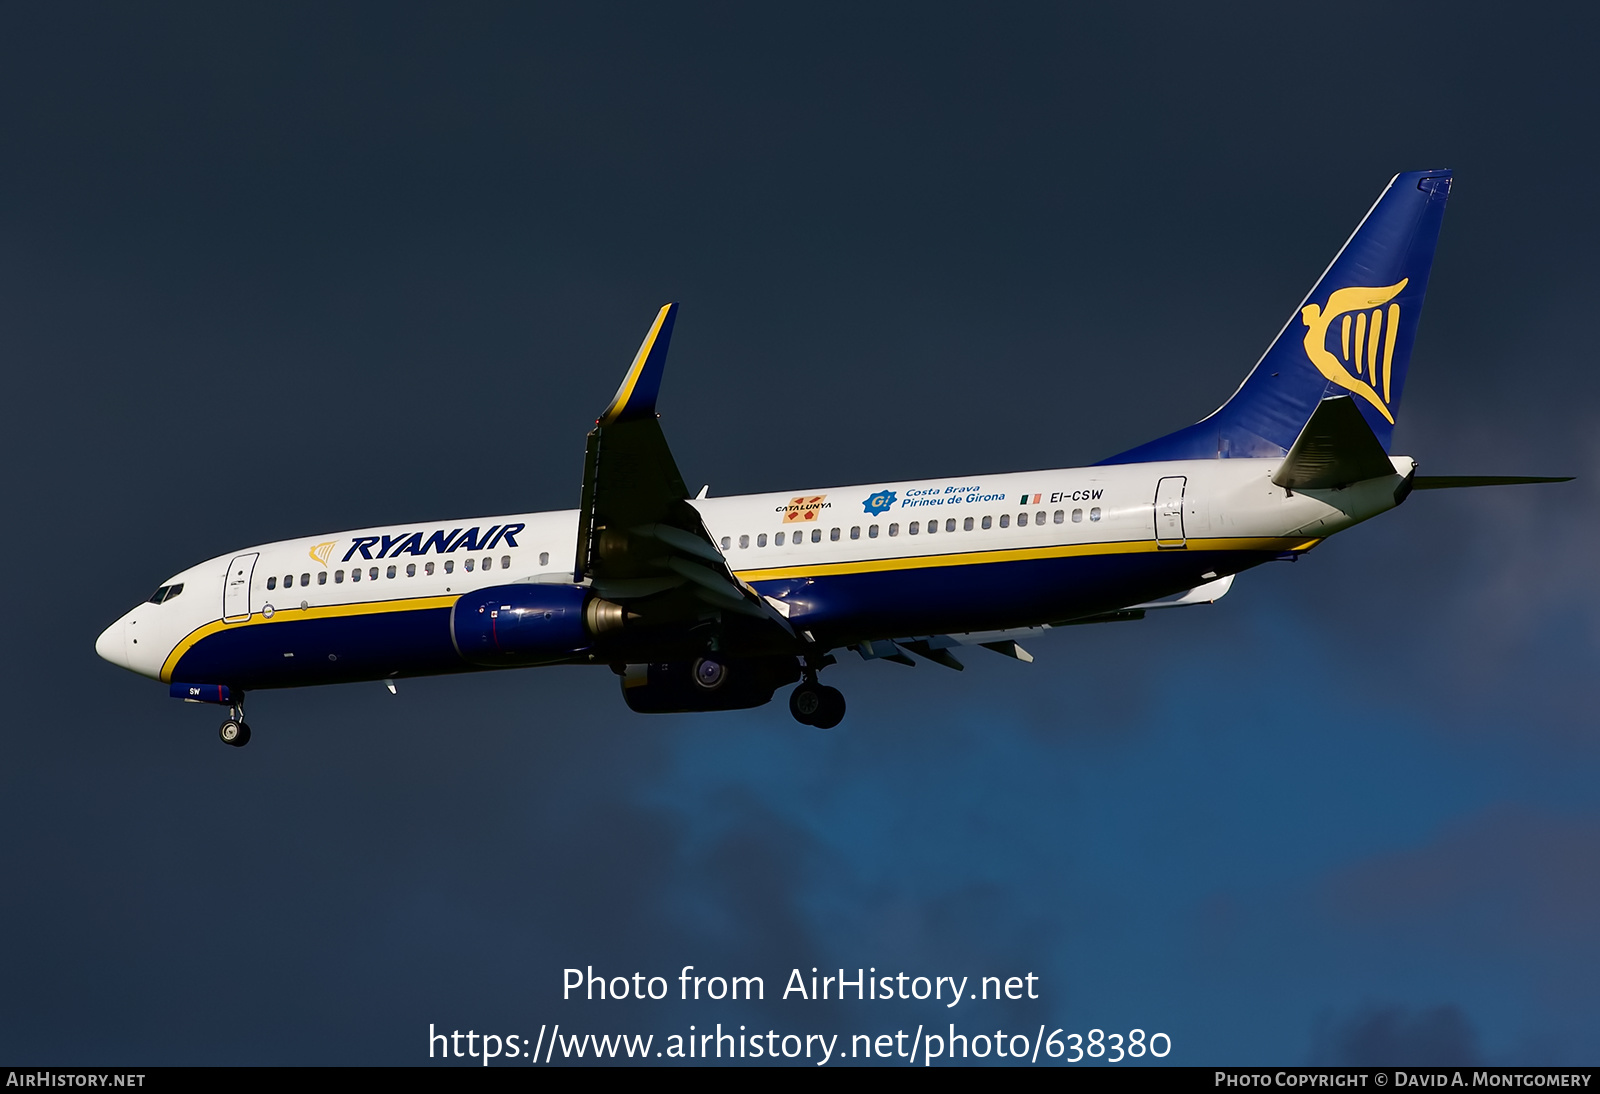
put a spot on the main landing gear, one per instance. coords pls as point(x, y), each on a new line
point(814, 704)
point(235, 731)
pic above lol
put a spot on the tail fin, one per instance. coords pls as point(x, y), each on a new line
point(1351, 335)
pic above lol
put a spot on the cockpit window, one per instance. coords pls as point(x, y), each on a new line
point(166, 592)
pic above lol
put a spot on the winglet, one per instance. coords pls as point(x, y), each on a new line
point(636, 398)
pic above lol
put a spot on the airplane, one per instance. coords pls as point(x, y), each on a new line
point(700, 603)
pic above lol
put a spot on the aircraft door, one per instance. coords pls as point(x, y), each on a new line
point(1169, 511)
point(236, 589)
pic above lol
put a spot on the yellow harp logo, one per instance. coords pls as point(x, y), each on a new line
point(1357, 367)
point(322, 550)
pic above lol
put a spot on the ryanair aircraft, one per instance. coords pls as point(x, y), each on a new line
point(701, 603)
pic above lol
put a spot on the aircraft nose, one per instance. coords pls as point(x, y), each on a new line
point(113, 643)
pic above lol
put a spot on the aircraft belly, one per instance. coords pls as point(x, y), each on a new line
point(289, 652)
point(993, 596)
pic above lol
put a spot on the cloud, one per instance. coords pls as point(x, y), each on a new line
point(1516, 872)
point(1391, 1036)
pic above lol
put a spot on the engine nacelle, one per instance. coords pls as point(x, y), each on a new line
point(706, 683)
point(521, 624)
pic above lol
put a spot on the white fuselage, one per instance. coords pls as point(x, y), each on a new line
point(783, 543)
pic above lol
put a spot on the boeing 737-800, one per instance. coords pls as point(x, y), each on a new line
point(701, 603)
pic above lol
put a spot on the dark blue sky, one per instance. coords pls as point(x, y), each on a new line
point(264, 275)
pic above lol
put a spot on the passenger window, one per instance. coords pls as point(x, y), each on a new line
point(1094, 514)
point(1005, 520)
point(373, 573)
point(894, 529)
point(727, 541)
point(322, 577)
point(467, 565)
point(1077, 516)
point(1060, 516)
point(411, 569)
point(305, 579)
point(872, 531)
point(966, 525)
point(916, 527)
point(761, 540)
point(544, 556)
point(355, 574)
point(338, 577)
point(933, 526)
point(987, 522)
point(391, 571)
point(1022, 520)
point(777, 540)
point(488, 563)
point(288, 581)
point(855, 532)
point(449, 565)
point(744, 541)
point(816, 535)
point(272, 583)
point(1038, 518)
point(427, 568)
point(505, 562)
point(950, 524)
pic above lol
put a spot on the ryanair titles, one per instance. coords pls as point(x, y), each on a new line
point(440, 542)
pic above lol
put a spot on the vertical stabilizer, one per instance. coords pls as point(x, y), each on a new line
point(1352, 335)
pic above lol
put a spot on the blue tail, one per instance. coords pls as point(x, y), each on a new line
point(1352, 335)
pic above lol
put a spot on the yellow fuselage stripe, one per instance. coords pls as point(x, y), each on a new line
point(827, 569)
point(1025, 554)
point(282, 615)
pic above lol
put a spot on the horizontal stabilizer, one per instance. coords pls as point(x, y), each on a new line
point(1209, 593)
point(1336, 448)
point(1456, 482)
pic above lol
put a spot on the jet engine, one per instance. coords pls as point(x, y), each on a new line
point(706, 683)
point(529, 624)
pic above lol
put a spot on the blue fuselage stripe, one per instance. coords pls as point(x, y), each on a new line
point(836, 609)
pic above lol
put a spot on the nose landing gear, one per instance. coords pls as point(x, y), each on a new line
point(814, 704)
point(235, 731)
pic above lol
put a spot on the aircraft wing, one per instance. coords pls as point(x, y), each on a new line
point(937, 647)
point(640, 542)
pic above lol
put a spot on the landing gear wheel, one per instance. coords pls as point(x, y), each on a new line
point(831, 712)
point(805, 701)
point(814, 704)
point(234, 733)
